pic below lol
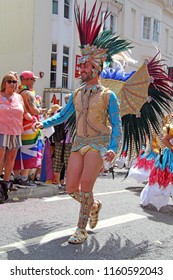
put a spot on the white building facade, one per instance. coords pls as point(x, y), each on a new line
point(41, 36)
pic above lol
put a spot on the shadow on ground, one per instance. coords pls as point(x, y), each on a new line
point(113, 249)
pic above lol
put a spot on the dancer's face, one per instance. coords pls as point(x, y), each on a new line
point(86, 71)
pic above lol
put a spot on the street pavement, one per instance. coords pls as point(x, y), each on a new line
point(42, 190)
point(36, 224)
point(46, 189)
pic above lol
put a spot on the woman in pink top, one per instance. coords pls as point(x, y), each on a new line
point(12, 112)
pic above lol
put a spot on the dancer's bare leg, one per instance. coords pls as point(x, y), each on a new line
point(82, 173)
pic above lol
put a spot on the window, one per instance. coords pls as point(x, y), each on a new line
point(65, 67)
point(53, 67)
point(156, 30)
point(132, 26)
point(166, 44)
point(55, 7)
point(112, 23)
point(102, 16)
point(146, 28)
point(151, 29)
point(67, 9)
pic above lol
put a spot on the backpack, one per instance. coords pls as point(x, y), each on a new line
point(4, 191)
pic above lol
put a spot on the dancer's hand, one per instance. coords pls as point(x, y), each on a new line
point(37, 125)
point(109, 156)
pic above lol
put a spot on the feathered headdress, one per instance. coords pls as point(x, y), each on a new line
point(98, 47)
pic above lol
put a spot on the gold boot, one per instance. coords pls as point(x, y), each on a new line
point(78, 237)
point(95, 213)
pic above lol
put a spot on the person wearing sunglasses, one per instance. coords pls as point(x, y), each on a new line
point(12, 113)
point(29, 156)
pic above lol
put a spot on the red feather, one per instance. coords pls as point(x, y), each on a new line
point(88, 26)
point(160, 78)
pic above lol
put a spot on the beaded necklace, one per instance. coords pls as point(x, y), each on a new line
point(93, 89)
point(23, 87)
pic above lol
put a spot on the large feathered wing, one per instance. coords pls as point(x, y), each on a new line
point(144, 99)
point(133, 93)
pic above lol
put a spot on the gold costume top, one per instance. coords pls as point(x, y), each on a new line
point(91, 112)
point(98, 121)
point(93, 117)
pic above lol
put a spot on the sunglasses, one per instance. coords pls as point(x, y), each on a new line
point(11, 81)
point(31, 79)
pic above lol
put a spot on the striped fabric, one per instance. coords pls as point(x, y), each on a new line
point(30, 154)
point(10, 141)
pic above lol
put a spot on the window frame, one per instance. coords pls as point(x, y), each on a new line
point(65, 58)
point(113, 28)
point(150, 33)
point(67, 8)
point(156, 32)
point(54, 54)
point(53, 7)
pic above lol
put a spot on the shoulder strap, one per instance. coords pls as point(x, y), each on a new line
point(22, 90)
